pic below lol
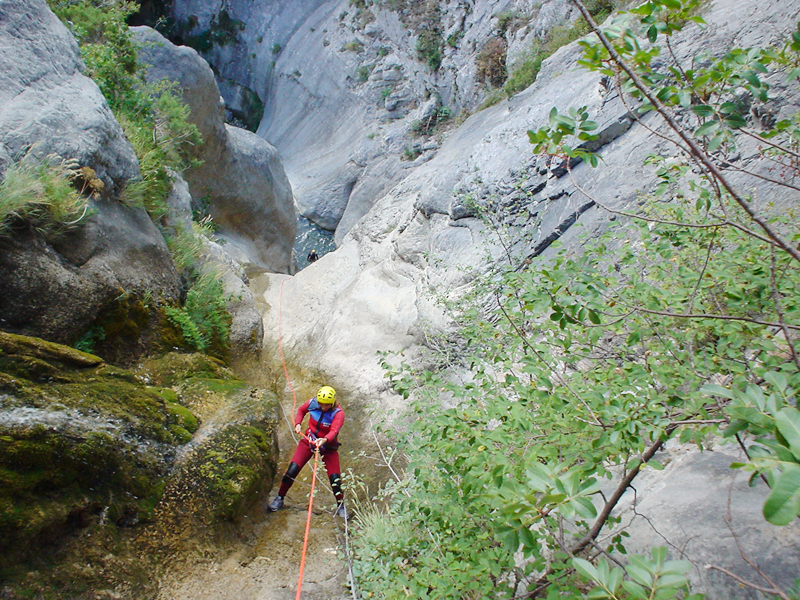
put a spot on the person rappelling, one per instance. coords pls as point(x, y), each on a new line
point(326, 418)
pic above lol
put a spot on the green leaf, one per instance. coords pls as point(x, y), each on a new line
point(701, 110)
point(717, 390)
point(707, 128)
point(777, 380)
point(584, 507)
point(783, 502)
point(586, 569)
point(639, 575)
point(635, 590)
point(788, 422)
point(527, 538)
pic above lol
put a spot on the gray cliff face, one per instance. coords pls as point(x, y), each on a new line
point(55, 288)
point(420, 240)
point(241, 177)
point(343, 87)
point(46, 102)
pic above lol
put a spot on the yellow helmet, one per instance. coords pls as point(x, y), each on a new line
point(326, 395)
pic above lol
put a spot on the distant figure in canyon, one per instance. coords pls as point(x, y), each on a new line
point(325, 421)
point(312, 256)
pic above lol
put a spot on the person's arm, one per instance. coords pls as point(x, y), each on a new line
point(300, 415)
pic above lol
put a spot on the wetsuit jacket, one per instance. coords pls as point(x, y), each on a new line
point(321, 424)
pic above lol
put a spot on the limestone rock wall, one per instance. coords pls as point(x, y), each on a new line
point(47, 103)
point(241, 178)
point(345, 86)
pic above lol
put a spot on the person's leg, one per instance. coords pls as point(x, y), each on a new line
point(301, 456)
point(331, 460)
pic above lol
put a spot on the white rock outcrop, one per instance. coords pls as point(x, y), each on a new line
point(47, 103)
point(56, 288)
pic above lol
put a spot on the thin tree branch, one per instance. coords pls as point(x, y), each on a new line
point(779, 309)
point(764, 140)
point(542, 583)
point(774, 591)
point(695, 148)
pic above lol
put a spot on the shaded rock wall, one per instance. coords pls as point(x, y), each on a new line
point(241, 180)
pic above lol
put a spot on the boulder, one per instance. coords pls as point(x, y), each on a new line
point(247, 330)
point(58, 289)
point(711, 517)
point(241, 179)
point(47, 104)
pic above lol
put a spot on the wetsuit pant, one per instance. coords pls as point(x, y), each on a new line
point(302, 455)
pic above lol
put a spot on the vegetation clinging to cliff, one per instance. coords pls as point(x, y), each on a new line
point(156, 122)
point(583, 367)
point(42, 193)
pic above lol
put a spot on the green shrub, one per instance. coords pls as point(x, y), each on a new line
point(204, 320)
point(584, 362)
point(156, 122)
point(41, 193)
point(510, 21)
point(454, 38)
point(352, 46)
point(363, 72)
point(153, 118)
point(524, 73)
point(433, 123)
point(429, 48)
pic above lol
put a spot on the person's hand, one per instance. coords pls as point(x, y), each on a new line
point(298, 428)
point(320, 441)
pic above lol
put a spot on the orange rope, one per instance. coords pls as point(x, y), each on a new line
point(280, 348)
point(316, 454)
point(308, 527)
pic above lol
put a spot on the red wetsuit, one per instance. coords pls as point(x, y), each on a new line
point(320, 425)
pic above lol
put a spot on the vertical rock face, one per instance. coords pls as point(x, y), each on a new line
point(241, 178)
point(46, 102)
point(347, 85)
point(55, 288)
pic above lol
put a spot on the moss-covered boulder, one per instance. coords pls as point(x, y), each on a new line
point(232, 461)
point(77, 438)
point(116, 469)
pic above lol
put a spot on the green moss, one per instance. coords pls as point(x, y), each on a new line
point(175, 368)
point(167, 394)
point(93, 438)
point(91, 460)
point(184, 418)
point(232, 471)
